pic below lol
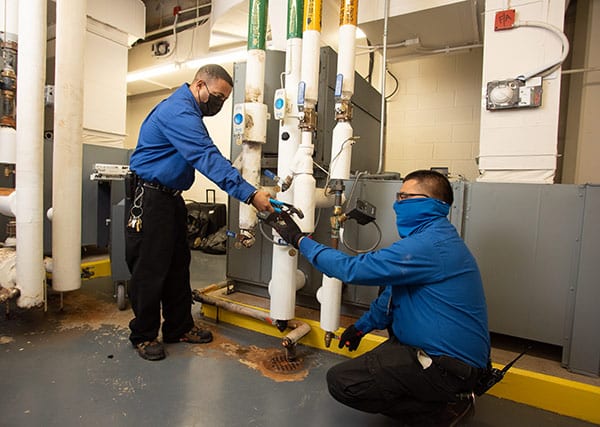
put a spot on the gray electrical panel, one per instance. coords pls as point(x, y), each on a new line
point(537, 248)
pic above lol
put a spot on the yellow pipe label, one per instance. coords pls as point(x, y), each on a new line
point(312, 15)
point(349, 12)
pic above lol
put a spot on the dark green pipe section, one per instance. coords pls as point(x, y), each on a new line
point(257, 24)
point(294, 19)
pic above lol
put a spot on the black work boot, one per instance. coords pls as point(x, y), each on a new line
point(151, 350)
point(195, 335)
point(455, 412)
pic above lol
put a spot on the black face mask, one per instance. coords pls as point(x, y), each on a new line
point(212, 106)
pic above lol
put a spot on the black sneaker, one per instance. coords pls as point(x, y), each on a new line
point(151, 350)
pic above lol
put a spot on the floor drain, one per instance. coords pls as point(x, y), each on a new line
point(281, 365)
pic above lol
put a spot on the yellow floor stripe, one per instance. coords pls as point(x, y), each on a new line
point(546, 392)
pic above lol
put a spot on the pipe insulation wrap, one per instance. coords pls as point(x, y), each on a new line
point(312, 15)
point(257, 24)
point(341, 151)
point(304, 199)
point(68, 149)
point(330, 297)
point(31, 274)
point(282, 287)
point(255, 130)
point(255, 80)
point(346, 62)
point(310, 66)
point(251, 153)
point(295, 16)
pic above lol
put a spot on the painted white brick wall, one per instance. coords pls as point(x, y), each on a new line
point(433, 119)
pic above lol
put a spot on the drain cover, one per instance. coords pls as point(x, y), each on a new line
point(281, 365)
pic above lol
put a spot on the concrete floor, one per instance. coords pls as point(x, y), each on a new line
point(75, 366)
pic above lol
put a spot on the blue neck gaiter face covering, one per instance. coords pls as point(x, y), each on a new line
point(414, 213)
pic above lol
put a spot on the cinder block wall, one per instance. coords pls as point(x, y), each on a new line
point(433, 118)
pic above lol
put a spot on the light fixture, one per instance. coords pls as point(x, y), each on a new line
point(217, 58)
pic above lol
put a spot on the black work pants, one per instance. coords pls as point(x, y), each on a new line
point(390, 380)
point(158, 258)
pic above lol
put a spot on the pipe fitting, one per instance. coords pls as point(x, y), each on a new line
point(307, 120)
point(343, 110)
point(246, 237)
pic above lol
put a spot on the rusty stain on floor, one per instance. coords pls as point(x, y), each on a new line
point(252, 356)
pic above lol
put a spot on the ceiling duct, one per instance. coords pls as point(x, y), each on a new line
point(420, 27)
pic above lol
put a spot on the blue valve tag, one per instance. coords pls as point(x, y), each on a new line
point(230, 233)
point(301, 91)
point(238, 119)
point(339, 80)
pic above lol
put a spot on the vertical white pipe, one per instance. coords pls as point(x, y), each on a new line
point(330, 293)
point(304, 182)
point(284, 277)
point(9, 22)
point(30, 149)
point(256, 113)
point(68, 149)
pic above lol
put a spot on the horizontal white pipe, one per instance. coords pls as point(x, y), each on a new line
point(8, 204)
point(8, 145)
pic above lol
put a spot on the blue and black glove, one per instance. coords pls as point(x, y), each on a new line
point(351, 338)
point(283, 223)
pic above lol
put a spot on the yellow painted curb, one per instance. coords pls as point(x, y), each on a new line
point(542, 391)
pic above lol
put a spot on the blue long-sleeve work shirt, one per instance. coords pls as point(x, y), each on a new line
point(173, 141)
point(433, 296)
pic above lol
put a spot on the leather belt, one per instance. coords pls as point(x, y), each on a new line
point(160, 187)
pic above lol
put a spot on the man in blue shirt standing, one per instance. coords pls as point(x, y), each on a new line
point(173, 142)
point(433, 306)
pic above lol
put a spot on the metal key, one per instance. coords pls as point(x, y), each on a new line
point(138, 224)
point(132, 222)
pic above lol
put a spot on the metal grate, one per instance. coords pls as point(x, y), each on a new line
point(280, 364)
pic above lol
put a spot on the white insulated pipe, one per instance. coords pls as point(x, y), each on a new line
point(304, 182)
point(329, 294)
point(286, 279)
point(68, 149)
point(346, 63)
point(254, 132)
point(30, 148)
point(311, 46)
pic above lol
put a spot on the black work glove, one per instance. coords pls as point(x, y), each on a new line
point(283, 223)
point(351, 338)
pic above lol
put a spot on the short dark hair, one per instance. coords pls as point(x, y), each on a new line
point(436, 184)
point(213, 71)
